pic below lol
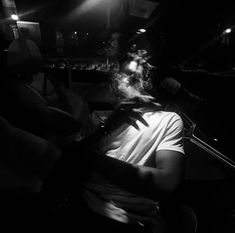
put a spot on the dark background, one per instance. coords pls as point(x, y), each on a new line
point(183, 37)
point(180, 28)
point(186, 43)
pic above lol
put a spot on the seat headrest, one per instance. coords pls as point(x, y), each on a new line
point(24, 57)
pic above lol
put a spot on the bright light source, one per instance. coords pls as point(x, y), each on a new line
point(15, 17)
point(228, 30)
point(132, 66)
point(142, 30)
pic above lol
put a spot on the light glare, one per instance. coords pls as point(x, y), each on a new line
point(133, 66)
point(15, 17)
point(142, 30)
point(228, 30)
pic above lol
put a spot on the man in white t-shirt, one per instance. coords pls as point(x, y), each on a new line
point(138, 161)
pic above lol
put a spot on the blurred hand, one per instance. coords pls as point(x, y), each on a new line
point(129, 112)
point(126, 112)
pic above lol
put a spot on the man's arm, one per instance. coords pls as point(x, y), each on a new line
point(154, 183)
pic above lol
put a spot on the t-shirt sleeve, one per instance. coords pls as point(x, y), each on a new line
point(173, 139)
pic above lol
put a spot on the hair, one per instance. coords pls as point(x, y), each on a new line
point(133, 80)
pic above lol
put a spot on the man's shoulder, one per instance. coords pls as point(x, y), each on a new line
point(167, 114)
point(167, 118)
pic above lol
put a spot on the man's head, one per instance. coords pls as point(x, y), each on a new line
point(133, 80)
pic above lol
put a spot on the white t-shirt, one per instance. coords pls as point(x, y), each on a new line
point(135, 145)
